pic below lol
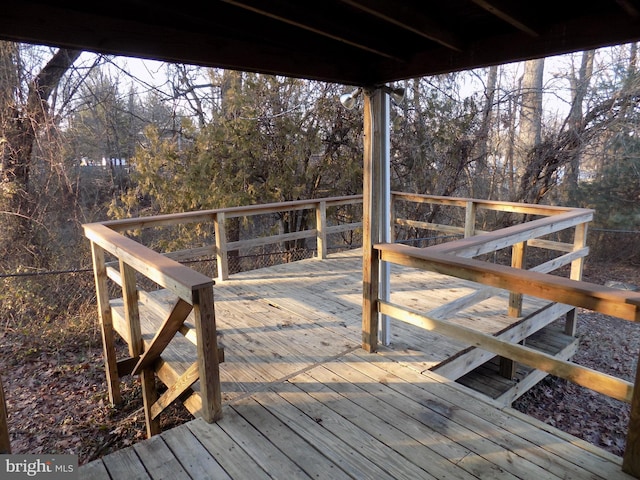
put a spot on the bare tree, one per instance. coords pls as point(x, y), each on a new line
point(530, 131)
point(24, 116)
point(21, 123)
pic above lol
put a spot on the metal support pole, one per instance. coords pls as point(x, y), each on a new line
point(377, 222)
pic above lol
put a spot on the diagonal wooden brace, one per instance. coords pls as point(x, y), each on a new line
point(185, 381)
point(170, 326)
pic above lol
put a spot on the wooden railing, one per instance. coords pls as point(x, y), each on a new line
point(194, 292)
point(218, 217)
point(456, 259)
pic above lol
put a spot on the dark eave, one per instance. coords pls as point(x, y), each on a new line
point(360, 42)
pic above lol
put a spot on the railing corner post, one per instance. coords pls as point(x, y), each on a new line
point(222, 254)
point(106, 325)
point(470, 219)
point(579, 242)
point(207, 345)
point(321, 229)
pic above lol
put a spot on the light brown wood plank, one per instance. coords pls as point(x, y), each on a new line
point(355, 428)
point(488, 460)
point(420, 446)
point(236, 462)
point(293, 411)
point(158, 459)
point(285, 438)
point(193, 457)
point(125, 464)
point(544, 447)
point(259, 447)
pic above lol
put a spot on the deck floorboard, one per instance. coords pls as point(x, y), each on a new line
point(303, 400)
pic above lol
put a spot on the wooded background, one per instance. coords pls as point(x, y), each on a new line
point(84, 138)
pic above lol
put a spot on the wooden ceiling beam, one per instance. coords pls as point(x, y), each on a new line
point(500, 10)
point(408, 19)
point(298, 15)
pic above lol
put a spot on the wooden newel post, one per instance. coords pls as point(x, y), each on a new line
point(518, 255)
point(222, 256)
point(631, 458)
point(579, 242)
point(5, 443)
point(208, 364)
point(321, 229)
point(470, 219)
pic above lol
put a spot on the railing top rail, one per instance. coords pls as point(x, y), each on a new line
point(167, 273)
point(505, 237)
point(229, 212)
point(610, 301)
point(239, 211)
point(516, 207)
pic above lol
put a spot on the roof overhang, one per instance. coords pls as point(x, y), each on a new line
point(360, 42)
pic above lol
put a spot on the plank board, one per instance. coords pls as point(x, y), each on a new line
point(358, 416)
point(302, 400)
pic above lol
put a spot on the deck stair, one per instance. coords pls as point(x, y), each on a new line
point(487, 379)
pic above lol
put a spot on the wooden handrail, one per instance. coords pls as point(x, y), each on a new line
point(600, 382)
point(164, 271)
point(195, 292)
point(506, 237)
point(621, 304)
point(230, 212)
point(618, 303)
point(497, 205)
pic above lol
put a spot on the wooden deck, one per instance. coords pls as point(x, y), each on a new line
point(360, 415)
point(320, 303)
point(302, 399)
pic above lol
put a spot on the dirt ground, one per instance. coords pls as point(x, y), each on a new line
point(57, 401)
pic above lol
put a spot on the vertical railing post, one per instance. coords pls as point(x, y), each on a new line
point(106, 325)
point(579, 242)
point(392, 219)
point(222, 255)
point(518, 254)
point(631, 457)
point(5, 442)
point(136, 346)
point(470, 219)
point(321, 229)
point(207, 346)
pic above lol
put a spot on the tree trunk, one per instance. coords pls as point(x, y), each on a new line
point(483, 134)
point(530, 133)
point(579, 87)
point(22, 124)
